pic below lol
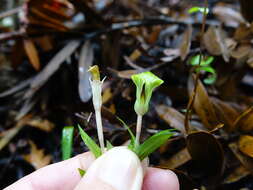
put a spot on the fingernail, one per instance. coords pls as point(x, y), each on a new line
point(120, 168)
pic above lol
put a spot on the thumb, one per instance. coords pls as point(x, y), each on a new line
point(117, 169)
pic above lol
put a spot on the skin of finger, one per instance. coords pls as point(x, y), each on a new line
point(63, 175)
point(159, 179)
point(113, 171)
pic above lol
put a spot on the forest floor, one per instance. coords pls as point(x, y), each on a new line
point(201, 49)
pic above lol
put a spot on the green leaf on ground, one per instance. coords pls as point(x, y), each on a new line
point(67, 142)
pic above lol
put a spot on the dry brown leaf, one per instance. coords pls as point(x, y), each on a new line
point(242, 33)
point(42, 124)
point(236, 175)
point(126, 74)
point(225, 113)
point(135, 55)
point(32, 54)
point(85, 62)
point(37, 157)
point(214, 41)
point(170, 115)
point(242, 52)
point(7, 136)
point(246, 161)
point(186, 43)
point(207, 152)
point(45, 42)
point(228, 15)
point(177, 160)
point(246, 145)
point(51, 67)
point(107, 95)
point(245, 120)
point(203, 105)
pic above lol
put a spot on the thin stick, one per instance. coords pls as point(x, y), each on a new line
point(138, 130)
point(100, 130)
point(10, 12)
point(193, 95)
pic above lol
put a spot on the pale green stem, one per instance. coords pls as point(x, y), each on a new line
point(100, 130)
point(138, 130)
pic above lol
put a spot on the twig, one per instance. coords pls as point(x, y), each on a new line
point(10, 12)
point(162, 20)
point(193, 95)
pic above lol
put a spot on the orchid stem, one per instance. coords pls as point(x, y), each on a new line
point(138, 130)
point(100, 130)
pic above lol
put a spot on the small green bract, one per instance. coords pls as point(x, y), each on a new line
point(145, 83)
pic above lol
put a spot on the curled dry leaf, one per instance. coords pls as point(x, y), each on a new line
point(32, 54)
point(214, 41)
point(37, 157)
point(246, 145)
point(203, 105)
point(207, 152)
point(244, 121)
point(170, 115)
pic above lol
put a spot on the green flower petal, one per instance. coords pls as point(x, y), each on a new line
point(145, 83)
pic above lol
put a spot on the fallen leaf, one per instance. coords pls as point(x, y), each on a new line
point(135, 55)
point(225, 113)
point(246, 161)
point(8, 135)
point(246, 145)
point(170, 115)
point(244, 121)
point(203, 105)
point(177, 160)
point(236, 175)
point(207, 153)
point(186, 43)
point(51, 67)
point(32, 54)
point(228, 15)
point(215, 44)
point(243, 32)
point(42, 124)
point(242, 52)
point(85, 61)
point(107, 95)
point(37, 157)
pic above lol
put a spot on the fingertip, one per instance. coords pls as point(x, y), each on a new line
point(85, 160)
point(160, 179)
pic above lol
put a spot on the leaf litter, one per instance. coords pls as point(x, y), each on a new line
point(52, 45)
